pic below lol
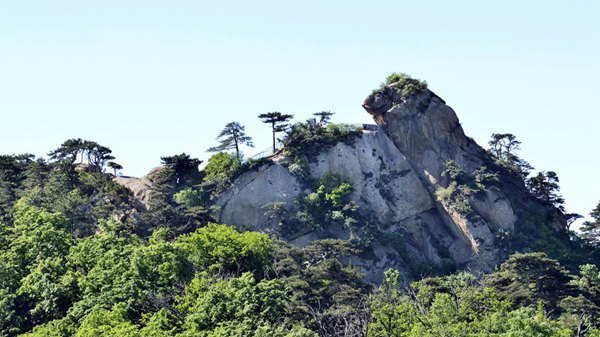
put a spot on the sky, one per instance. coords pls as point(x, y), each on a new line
point(156, 78)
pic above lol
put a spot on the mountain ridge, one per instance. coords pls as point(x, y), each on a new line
point(419, 135)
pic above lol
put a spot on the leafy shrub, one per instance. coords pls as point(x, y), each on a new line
point(219, 174)
point(463, 187)
point(237, 305)
point(220, 166)
point(405, 85)
point(220, 248)
point(329, 204)
point(189, 197)
point(304, 141)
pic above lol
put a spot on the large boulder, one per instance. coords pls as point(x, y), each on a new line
point(245, 203)
point(387, 190)
point(395, 173)
point(141, 187)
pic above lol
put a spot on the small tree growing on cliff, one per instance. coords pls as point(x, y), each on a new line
point(324, 117)
point(503, 146)
point(231, 137)
point(68, 151)
point(544, 186)
point(115, 166)
point(183, 166)
point(404, 84)
point(277, 121)
point(590, 230)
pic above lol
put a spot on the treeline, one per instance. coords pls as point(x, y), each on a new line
point(80, 258)
point(570, 246)
point(216, 281)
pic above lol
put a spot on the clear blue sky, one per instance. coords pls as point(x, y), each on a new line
point(155, 78)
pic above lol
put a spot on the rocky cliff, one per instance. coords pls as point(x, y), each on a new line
point(411, 214)
point(395, 173)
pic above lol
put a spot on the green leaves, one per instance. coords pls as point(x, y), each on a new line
point(463, 187)
point(525, 279)
point(232, 137)
point(591, 229)
point(34, 285)
point(96, 155)
point(113, 283)
point(210, 304)
point(329, 204)
point(278, 122)
point(58, 280)
point(503, 148)
point(184, 168)
point(457, 305)
point(405, 85)
point(303, 141)
point(51, 288)
point(221, 165)
point(544, 186)
point(219, 248)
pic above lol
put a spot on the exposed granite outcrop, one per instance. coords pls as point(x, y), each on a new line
point(395, 173)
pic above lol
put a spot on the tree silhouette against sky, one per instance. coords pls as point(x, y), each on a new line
point(277, 121)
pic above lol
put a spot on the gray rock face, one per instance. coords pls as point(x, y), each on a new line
point(245, 204)
point(383, 180)
point(395, 173)
point(428, 132)
point(141, 187)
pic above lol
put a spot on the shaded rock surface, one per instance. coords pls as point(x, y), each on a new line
point(395, 173)
point(245, 204)
point(141, 187)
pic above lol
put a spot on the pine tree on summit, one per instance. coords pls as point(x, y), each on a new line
point(114, 166)
point(324, 117)
point(231, 137)
point(97, 156)
point(277, 121)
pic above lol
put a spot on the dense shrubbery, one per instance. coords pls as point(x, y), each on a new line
point(61, 276)
point(530, 295)
point(82, 195)
point(304, 141)
point(77, 260)
point(214, 281)
point(462, 187)
point(405, 85)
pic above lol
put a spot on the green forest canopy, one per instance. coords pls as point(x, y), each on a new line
point(77, 260)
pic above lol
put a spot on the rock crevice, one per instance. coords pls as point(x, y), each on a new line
point(395, 174)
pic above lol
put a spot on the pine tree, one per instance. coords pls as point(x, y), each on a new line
point(504, 147)
point(590, 230)
point(324, 117)
point(544, 186)
point(183, 166)
point(115, 166)
point(231, 137)
point(277, 121)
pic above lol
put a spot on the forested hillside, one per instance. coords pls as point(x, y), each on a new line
point(83, 255)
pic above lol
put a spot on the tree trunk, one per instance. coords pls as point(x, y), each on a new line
point(273, 127)
point(237, 149)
